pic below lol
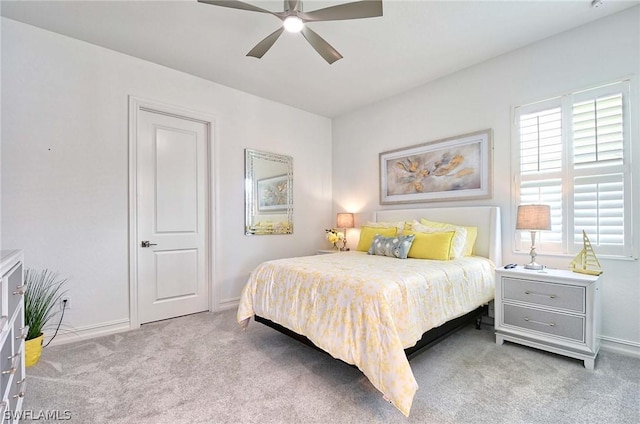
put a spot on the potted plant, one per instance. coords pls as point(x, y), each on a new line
point(43, 293)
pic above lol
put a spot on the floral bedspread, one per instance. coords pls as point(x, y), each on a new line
point(364, 309)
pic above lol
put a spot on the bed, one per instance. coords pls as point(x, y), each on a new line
point(374, 311)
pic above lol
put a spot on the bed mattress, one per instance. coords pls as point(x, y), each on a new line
point(364, 309)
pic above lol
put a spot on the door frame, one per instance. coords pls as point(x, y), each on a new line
point(136, 105)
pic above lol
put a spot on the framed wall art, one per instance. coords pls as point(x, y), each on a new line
point(454, 168)
point(273, 194)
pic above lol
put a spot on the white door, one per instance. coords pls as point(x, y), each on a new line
point(171, 190)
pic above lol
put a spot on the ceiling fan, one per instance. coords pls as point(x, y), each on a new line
point(294, 20)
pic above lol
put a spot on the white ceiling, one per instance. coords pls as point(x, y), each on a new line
point(413, 43)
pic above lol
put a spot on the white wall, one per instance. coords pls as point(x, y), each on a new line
point(65, 167)
point(481, 97)
point(0, 133)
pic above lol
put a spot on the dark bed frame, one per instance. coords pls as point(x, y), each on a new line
point(428, 339)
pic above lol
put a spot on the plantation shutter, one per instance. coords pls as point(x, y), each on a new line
point(541, 141)
point(540, 134)
point(599, 210)
point(573, 156)
point(598, 131)
point(598, 161)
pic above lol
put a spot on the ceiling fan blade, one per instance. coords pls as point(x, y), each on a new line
point(323, 48)
point(235, 4)
point(354, 10)
point(261, 48)
point(293, 4)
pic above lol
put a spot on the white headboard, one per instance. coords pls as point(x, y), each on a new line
point(486, 218)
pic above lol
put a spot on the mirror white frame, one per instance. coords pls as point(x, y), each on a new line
point(268, 193)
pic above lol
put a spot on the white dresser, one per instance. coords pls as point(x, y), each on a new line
point(555, 310)
point(12, 336)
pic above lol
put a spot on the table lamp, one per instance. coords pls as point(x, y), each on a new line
point(533, 218)
point(344, 221)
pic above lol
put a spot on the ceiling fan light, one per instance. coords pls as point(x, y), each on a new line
point(293, 24)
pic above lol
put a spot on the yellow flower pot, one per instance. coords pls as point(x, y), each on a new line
point(33, 350)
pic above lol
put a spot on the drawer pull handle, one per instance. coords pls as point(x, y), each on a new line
point(19, 395)
point(25, 332)
point(11, 371)
point(550, 296)
point(550, 324)
point(20, 381)
point(18, 292)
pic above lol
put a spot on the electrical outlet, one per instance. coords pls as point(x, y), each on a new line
point(65, 303)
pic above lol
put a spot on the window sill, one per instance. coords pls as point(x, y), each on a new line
point(571, 256)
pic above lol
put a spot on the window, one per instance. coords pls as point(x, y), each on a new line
point(573, 154)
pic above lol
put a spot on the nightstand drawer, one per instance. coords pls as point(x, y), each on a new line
point(567, 326)
point(570, 298)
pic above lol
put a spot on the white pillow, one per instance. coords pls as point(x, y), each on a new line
point(399, 225)
point(459, 238)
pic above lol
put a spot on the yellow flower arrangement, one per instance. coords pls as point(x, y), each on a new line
point(334, 236)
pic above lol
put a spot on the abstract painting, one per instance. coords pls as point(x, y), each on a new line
point(449, 169)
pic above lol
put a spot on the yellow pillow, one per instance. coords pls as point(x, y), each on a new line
point(400, 225)
point(459, 238)
point(472, 235)
point(470, 245)
point(367, 233)
point(431, 245)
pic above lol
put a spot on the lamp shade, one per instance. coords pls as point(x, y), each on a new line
point(534, 217)
point(344, 220)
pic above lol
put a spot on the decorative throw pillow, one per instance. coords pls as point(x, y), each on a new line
point(395, 247)
point(367, 233)
point(400, 225)
point(436, 245)
point(470, 241)
point(470, 244)
point(459, 238)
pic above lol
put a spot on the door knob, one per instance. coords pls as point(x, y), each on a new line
point(146, 243)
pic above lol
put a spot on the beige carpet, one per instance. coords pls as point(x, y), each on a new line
point(203, 369)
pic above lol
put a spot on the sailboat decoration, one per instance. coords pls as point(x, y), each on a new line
point(586, 262)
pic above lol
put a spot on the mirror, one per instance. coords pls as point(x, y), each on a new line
point(268, 193)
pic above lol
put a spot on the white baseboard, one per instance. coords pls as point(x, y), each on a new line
point(623, 347)
point(90, 331)
point(227, 304)
point(113, 327)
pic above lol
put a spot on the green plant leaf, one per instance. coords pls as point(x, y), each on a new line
point(43, 293)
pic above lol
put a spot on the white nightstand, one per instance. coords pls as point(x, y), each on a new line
point(327, 251)
point(555, 310)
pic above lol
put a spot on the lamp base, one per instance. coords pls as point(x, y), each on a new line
point(534, 265)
